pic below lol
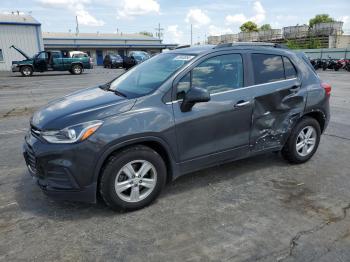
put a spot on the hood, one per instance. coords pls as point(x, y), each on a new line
point(21, 52)
point(81, 106)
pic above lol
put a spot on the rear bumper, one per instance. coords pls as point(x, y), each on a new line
point(58, 171)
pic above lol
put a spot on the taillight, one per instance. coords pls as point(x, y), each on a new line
point(327, 88)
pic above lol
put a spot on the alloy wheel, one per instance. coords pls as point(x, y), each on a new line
point(135, 181)
point(306, 141)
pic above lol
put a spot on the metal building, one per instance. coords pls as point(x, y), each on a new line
point(22, 31)
point(98, 45)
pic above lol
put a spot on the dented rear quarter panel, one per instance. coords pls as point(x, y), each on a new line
point(277, 107)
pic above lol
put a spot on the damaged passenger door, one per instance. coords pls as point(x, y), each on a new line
point(278, 101)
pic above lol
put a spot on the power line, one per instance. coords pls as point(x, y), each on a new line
point(159, 31)
point(191, 35)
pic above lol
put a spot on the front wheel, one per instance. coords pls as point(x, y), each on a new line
point(26, 71)
point(303, 141)
point(133, 178)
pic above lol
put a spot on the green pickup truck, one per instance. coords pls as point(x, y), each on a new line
point(52, 61)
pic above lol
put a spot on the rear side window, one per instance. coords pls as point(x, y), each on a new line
point(267, 68)
point(289, 68)
point(1, 56)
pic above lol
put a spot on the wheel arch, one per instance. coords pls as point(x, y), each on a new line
point(320, 117)
point(155, 143)
point(77, 63)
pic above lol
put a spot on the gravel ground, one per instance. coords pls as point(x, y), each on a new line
point(257, 209)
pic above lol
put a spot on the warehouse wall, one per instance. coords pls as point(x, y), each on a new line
point(26, 37)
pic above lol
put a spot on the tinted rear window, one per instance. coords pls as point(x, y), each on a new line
point(267, 68)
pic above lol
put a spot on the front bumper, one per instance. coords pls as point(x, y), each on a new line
point(61, 171)
point(15, 68)
point(117, 64)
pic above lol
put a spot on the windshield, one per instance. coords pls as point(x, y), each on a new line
point(149, 75)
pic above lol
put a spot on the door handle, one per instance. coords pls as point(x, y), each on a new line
point(242, 103)
point(294, 88)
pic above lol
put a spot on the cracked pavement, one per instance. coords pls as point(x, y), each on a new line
point(257, 209)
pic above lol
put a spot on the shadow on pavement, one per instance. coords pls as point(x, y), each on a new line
point(30, 198)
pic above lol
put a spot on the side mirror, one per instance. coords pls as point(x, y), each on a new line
point(193, 96)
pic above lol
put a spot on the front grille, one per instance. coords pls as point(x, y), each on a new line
point(31, 160)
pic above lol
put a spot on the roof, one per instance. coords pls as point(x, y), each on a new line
point(195, 50)
point(17, 19)
point(99, 36)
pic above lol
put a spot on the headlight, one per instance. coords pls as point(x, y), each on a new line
point(72, 134)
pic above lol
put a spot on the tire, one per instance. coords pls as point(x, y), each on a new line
point(290, 151)
point(26, 71)
point(77, 69)
point(130, 159)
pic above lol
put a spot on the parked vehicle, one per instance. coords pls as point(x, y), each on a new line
point(331, 64)
point(317, 63)
point(134, 58)
point(343, 64)
point(347, 66)
point(51, 61)
point(176, 113)
point(113, 61)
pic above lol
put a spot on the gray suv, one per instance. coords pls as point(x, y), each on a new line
point(178, 112)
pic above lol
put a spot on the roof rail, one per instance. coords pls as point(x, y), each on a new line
point(251, 44)
point(182, 46)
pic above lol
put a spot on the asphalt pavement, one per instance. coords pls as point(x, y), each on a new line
point(257, 209)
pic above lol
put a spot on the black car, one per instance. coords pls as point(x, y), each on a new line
point(134, 58)
point(173, 114)
point(113, 61)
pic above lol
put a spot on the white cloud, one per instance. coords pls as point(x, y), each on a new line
point(258, 17)
point(260, 13)
point(215, 30)
point(85, 18)
point(236, 19)
point(197, 17)
point(345, 20)
point(174, 35)
point(78, 7)
point(131, 8)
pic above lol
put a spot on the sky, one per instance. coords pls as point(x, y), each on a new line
point(174, 16)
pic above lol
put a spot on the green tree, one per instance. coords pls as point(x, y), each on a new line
point(146, 33)
point(292, 44)
point(321, 18)
point(249, 27)
point(265, 27)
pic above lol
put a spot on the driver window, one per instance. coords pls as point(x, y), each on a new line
point(216, 74)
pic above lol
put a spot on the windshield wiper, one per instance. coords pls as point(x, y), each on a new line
point(107, 88)
point(118, 93)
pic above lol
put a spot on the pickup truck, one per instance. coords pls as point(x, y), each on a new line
point(51, 61)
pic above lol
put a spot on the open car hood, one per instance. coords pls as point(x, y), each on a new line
point(20, 51)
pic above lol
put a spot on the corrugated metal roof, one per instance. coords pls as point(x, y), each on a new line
point(48, 35)
point(17, 19)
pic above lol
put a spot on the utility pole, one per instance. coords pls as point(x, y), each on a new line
point(191, 34)
point(77, 25)
point(159, 31)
